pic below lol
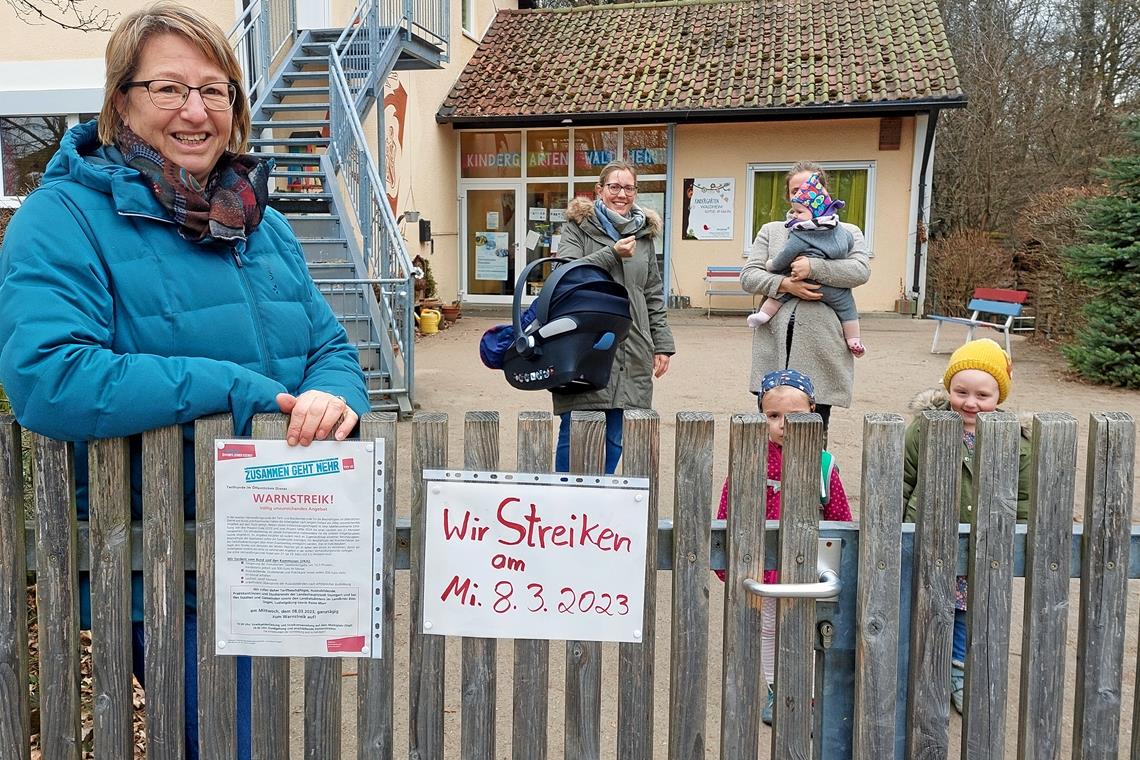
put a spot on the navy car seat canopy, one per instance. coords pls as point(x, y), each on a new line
point(580, 317)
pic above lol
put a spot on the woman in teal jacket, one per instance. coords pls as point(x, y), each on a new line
point(145, 283)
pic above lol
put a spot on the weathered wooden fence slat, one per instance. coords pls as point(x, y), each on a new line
point(741, 690)
point(996, 462)
point(1104, 572)
point(164, 605)
point(57, 598)
point(14, 711)
point(109, 499)
point(795, 624)
point(1045, 624)
point(641, 453)
point(583, 706)
point(217, 695)
point(535, 453)
point(426, 659)
point(322, 708)
point(880, 560)
point(932, 610)
point(477, 732)
point(688, 666)
point(270, 708)
point(376, 677)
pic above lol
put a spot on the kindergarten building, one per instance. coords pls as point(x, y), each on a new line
point(712, 101)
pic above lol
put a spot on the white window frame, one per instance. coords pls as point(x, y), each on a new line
point(869, 166)
point(467, 8)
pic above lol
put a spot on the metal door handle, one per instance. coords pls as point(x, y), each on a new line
point(828, 588)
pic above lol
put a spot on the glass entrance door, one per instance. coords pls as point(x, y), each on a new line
point(493, 258)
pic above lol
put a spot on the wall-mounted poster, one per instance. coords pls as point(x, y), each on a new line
point(491, 252)
point(706, 213)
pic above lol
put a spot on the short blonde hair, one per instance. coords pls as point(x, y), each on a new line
point(127, 43)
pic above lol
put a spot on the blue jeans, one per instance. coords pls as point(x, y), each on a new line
point(958, 650)
point(190, 686)
point(613, 441)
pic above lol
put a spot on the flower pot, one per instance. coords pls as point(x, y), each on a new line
point(450, 313)
point(906, 306)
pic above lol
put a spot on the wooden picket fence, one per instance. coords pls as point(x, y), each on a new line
point(877, 609)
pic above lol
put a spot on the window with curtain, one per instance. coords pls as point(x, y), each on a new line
point(851, 184)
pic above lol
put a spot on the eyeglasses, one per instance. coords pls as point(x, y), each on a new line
point(615, 188)
point(170, 95)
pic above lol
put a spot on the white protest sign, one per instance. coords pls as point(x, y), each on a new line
point(511, 555)
point(297, 544)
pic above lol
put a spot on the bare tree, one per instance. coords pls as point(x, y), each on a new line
point(1048, 83)
point(79, 15)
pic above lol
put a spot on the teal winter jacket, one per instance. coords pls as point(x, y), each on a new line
point(112, 324)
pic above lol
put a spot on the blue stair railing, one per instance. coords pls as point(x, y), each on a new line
point(385, 253)
point(258, 36)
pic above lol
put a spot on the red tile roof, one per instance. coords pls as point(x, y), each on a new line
point(707, 61)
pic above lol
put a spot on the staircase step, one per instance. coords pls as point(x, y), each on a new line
point(314, 125)
point(315, 225)
point(358, 328)
point(281, 92)
point(300, 203)
point(332, 270)
point(292, 159)
point(311, 60)
point(315, 47)
point(330, 250)
point(299, 75)
point(301, 142)
point(281, 107)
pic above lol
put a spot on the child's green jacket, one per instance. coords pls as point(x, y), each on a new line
point(937, 399)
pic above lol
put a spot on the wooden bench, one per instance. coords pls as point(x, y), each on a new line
point(724, 281)
point(996, 308)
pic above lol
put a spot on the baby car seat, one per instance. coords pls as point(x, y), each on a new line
point(580, 316)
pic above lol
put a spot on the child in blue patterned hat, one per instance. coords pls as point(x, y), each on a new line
point(784, 392)
point(816, 233)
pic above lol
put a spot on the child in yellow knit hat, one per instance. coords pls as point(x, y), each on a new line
point(977, 379)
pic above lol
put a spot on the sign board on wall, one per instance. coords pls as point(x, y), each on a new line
point(707, 210)
point(298, 548)
point(510, 555)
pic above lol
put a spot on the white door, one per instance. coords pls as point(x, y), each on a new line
point(314, 14)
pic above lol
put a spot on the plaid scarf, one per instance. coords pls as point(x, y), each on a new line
point(228, 208)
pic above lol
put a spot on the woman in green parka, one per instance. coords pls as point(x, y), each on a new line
point(977, 379)
point(617, 235)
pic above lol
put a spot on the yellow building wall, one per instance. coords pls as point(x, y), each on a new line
point(726, 150)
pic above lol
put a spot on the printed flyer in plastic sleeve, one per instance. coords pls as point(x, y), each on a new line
point(298, 548)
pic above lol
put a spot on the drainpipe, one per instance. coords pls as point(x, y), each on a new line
point(923, 216)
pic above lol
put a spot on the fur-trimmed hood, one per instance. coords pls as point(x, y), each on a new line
point(581, 209)
point(937, 399)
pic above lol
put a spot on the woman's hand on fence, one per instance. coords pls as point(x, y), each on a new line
point(807, 291)
point(800, 268)
point(314, 415)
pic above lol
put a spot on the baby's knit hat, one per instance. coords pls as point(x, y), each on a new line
point(986, 355)
point(813, 195)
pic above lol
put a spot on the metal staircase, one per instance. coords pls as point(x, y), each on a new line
point(308, 105)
